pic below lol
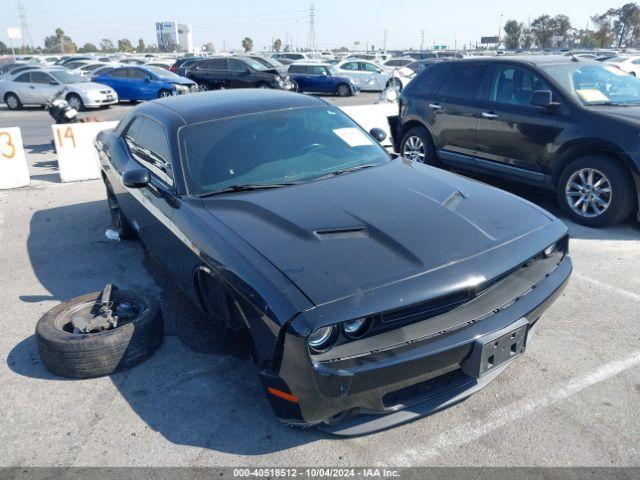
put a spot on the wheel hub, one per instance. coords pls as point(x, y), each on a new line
point(588, 192)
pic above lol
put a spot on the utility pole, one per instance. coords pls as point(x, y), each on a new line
point(311, 39)
point(384, 43)
point(422, 40)
point(224, 44)
point(26, 34)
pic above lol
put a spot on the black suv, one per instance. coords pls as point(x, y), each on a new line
point(562, 123)
point(236, 72)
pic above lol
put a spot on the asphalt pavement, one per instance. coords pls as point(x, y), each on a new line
point(571, 400)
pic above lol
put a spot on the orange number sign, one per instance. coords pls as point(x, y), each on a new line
point(68, 134)
point(7, 148)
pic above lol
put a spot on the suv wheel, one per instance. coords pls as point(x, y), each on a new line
point(416, 145)
point(596, 191)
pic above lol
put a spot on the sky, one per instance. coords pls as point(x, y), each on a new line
point(454, 23)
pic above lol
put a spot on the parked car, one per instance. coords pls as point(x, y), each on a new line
point(184, 66)
point(396, 62)
point(629, 64)
point(548, 121)
point(36, 87)
point(268, 209)
point(288, 58)
point(11, 73)
point(236, 72)
point(179, 61)
point(370, 76)
point(136, 83)
point(100, 70)
point(88, 69)
point(321, 78)
point(419, 65)
point(7, 67)
point(165, 64)
point(75, 58)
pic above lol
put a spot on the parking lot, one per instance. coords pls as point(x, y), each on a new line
point(571, 400)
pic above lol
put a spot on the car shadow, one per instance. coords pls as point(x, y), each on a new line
point(42, 148)
point(200, 388)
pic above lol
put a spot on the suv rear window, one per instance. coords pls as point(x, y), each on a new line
point(463, 81)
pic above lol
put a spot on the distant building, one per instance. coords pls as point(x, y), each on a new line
point(174, 36)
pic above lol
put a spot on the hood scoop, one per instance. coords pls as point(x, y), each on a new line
point(342, 233)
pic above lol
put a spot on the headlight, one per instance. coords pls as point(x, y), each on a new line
point(355, 328)
point(321, 338)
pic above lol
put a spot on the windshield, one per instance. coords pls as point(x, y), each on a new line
point(162, 73)
point(66, 77)
point(268, 62)
point(254, 64)
point(285, 146)
point(596, 84)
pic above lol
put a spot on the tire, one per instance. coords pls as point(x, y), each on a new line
point(203, 87)
point(343, 90)
point(633, 74)
point(12, 101)
point(417, 145)
point(118, 218)
point(164, 93)
point(608, 196)
point(87, 355)
point(75, 101)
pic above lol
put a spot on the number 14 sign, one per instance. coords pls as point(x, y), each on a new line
point(14, 171)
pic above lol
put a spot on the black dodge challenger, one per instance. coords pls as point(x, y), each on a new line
point(374, 289)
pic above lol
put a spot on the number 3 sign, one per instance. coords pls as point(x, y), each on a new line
point(14, 171)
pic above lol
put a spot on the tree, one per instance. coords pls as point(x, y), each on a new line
point(513, 34)
point(277, 45)
point(3, 48)
point(124, 45)
point(247, 44)
point(106, 45)
point(543, 29)
point(60, 37)
point(561, 26)
point(626, 23)
point(88, 48)
point(602, 34)
point(209, 47)
point(141, 46)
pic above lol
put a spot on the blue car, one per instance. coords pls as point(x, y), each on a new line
point(145, 83)
point(321, 78)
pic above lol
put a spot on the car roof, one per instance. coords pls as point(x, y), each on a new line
point(528, 59)
point(215, 105)
point(311, 64)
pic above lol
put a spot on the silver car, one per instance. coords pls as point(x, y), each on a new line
point(369, 75)
point(35, 87)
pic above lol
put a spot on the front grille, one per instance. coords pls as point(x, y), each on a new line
point(421, 392)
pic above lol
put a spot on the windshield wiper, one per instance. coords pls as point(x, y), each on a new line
point(246, 187)
point(346, 170)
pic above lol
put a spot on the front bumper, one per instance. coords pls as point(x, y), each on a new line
point(387, 387)
point(99, 100)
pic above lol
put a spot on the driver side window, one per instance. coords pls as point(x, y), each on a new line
point(515, 86)
point(147, 142)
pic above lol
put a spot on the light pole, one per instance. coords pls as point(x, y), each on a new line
point(500, 28)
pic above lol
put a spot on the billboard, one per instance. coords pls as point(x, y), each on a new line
point(485, 40)
point(14, 33)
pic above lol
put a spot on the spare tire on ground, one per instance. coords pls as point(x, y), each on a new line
point(99, 333)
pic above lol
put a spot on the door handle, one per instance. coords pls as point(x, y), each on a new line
point(489, 115)
point(435, 106)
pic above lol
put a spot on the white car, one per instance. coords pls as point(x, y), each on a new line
point(36, 87)
point(630, 64)
point(397, 62)
point(370, 76)
point(88, 69)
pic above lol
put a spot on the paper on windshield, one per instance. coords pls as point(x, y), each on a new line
point(353, 137)
point(592, 95)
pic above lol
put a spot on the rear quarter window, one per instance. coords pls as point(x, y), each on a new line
point(429, 79)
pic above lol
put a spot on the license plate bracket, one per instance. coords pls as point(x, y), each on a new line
point(496, 349)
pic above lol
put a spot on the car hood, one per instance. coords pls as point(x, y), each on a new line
point(179, 81)
point(630, 113)
point(348, 234)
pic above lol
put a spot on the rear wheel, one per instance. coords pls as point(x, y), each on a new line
point(596, 191)
point(12, 101)
point(343, 90)
point(394, 83)
point(416, 145)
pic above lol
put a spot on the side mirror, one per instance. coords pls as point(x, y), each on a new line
point(136, 178)
point(542, 98)
point(378, 134)
point(53, 82)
